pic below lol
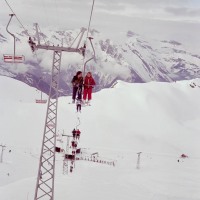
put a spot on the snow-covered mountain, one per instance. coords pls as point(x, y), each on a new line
point(161, 120)
point(133, 59)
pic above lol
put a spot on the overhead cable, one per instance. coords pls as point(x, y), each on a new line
point(17, 17)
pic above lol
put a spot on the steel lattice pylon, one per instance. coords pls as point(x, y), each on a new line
point(46, 172)
point(45, 180)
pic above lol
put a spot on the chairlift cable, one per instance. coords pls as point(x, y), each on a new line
point(88, 29)
point(17, 18)
point(20, 24)
point(79, 122)
point(90, 19)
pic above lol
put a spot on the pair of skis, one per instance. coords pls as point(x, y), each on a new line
point(80, 104)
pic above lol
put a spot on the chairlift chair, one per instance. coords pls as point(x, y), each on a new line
point(41, 100)
point(93, 57)
point(12, 58)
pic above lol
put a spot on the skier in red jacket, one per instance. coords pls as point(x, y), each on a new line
point(88, 85)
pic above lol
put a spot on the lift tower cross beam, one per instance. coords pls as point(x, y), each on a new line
point(46, 172)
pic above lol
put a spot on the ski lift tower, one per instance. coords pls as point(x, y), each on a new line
point(45, 179)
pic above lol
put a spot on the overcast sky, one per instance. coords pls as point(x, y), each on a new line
point(163, 19)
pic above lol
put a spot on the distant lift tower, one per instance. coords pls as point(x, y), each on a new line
point(45, 179)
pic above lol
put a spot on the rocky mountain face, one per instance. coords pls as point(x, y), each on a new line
point(134, 59)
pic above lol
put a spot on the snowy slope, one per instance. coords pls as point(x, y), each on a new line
point(161, 120)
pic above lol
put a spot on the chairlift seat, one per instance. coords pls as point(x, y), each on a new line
point(69, 156)
point(58, 149)
point(41, 101)
point(13, 59)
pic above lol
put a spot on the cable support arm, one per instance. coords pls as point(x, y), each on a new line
point(93, 57)
point(17, 18)
point(82, 33)
point(11, 15)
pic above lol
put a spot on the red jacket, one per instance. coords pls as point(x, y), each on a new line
point(89, 82)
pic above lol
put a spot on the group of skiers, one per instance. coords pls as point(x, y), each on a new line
point(79, 83)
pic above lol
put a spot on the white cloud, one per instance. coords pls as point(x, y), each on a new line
point(63, 12)
point(184, 11)
point(156, 18)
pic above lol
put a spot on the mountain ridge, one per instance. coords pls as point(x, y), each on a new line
point(132, 60)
